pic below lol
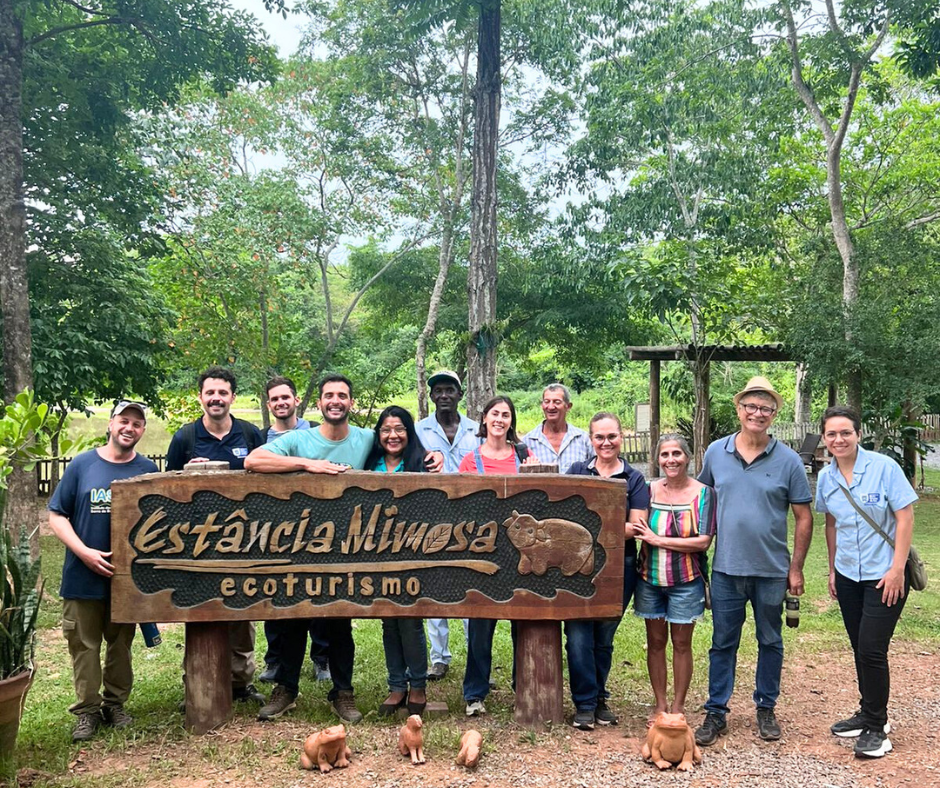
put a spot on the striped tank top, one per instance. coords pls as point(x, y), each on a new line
point(660, 566)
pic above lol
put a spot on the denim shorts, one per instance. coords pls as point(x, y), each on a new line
point(679, 604)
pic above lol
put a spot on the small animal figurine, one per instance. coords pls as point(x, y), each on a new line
point(470, 745)
point(411, 740)
point(670, 742)
point(326, 749)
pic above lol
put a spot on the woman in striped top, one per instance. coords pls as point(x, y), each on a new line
point(671, 570)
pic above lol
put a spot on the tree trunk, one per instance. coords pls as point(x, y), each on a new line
point(804, 396)
point(843, 239)
point(14, 290)
point(445, 257)
point(481, 277)
point(701, 423)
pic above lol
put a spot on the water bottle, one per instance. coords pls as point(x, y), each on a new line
point(151, 635)
point(793, 611)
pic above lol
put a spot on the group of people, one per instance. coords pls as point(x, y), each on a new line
point(740, 498)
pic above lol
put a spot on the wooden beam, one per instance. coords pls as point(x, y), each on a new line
point(655, 417)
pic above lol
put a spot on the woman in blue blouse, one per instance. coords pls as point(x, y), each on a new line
point(397, 449)
point(866, 574)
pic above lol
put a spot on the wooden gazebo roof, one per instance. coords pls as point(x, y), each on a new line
point(771, 352)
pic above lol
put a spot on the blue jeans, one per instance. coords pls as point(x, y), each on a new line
point(406, 653)
point(476, 679)
point(730, 595)
point(590, 646)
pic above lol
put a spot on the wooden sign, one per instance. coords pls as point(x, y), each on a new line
point(222, 546)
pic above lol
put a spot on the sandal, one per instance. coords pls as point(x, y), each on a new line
point(416, 707)
point(389, 707)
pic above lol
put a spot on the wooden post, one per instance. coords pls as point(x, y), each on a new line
point(539, 678)
point(208, 667)
point(654, 417)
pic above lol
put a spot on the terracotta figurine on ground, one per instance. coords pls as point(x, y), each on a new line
point(670, 742)
point(470, 745)
point(326, 750)
point(411, 740)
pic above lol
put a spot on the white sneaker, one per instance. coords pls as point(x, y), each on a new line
point(475, 708)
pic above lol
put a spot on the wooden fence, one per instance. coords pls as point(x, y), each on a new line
point(44, 471)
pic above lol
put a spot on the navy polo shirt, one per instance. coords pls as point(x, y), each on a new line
point(753, 500)
point(232, 448)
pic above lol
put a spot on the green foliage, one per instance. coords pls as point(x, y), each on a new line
point(20, 592)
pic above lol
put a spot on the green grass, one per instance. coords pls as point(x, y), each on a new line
point(44, 742)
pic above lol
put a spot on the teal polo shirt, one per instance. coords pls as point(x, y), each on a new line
point(880, 488)
point(753, 501)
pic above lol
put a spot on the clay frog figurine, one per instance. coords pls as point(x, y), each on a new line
point(326, 749)
point(470, 745)
point(411, 739)
point(670, 742)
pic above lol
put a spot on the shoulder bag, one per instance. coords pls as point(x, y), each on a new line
point(916, 570)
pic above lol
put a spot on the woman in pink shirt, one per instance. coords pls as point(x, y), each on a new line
point(500, 453)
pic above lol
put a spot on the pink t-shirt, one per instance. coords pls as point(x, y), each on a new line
point(469, 464)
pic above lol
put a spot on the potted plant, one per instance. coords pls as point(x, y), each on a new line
point(20, 592)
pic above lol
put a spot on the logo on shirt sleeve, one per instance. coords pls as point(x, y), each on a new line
point(871, 499)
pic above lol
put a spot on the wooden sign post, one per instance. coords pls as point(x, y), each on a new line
point(203, 548)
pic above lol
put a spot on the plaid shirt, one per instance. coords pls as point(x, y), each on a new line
point(576, 447)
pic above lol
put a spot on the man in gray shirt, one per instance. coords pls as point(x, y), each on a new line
point(757, 480)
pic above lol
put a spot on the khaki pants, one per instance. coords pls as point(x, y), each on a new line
point(85, 622)
point(241, 638)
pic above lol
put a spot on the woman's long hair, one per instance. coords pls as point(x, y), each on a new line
point(413, 456)
point(511, 436)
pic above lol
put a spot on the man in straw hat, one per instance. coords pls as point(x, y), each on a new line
point(757, 479)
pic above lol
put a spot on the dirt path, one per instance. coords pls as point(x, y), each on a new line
point(817, 690)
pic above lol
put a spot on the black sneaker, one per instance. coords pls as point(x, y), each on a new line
point(853, 726)
point(282, 701)
point(712, 727)
point(603, 715)
point(437, 671)
point(872, 744)
point(584, 720)
point(269, 674)
point(85, 726)
point(116, 717)
point(247, 694)
point(767, 727)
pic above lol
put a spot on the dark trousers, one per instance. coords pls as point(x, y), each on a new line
point(317, 643)
point(341, 652)
point(870, 625)
point(476, 680)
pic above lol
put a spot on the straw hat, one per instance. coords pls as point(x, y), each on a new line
point(759, 383)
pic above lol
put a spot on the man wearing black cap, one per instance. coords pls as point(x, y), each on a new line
point(454, 435)
point(80, 516)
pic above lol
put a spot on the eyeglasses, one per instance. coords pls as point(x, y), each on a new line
point(386, 431)
point(844, 434)
point(764, 410)
point(602, 439)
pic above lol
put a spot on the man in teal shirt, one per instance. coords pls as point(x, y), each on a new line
point(330, 448)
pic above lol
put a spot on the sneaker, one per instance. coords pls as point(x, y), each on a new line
point(247, 694)
point(116, 717)
point(853, 727)
point(282, 701)
point(872, 744)
point(438, 671)
point(85, 726)
point(603, 715)
point(269, 674)
point(584, 720)
point(345, 707)
point(767, 727)
point(475, 708)
point(321, 671)
point(712, 727)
